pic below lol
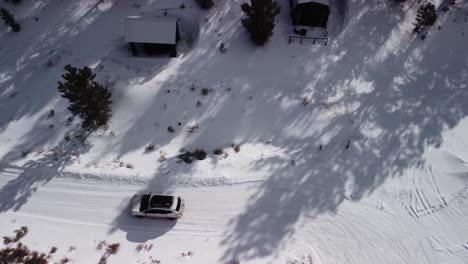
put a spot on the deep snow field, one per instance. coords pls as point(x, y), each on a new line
point(294, 192)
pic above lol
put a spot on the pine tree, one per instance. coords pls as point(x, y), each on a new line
point(88, 99)
point(259, 19)
point(9, 20)
point(205, 4)
point(426, 17)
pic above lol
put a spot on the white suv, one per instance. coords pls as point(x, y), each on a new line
point(157, 206)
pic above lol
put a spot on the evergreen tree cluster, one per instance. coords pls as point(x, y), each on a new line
point(9, 20)
point(205, 4)
point(426, 17)
point(14, 1)
point(88, 99)
point(259, 19)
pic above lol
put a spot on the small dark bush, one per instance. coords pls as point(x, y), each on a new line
point(188, 254)
point(101, 244)
point(139, 247)
point(199, 154)
point(113, 248)
point(185, 157)
point(218, 151)
point(236, 147)
point(149, 148)
point(170, 129)
point(205, 91)
point(19, 234)
point(22, 255)
point(103, 260)
point(53, 250)
point(67, 137)
point(64, 260)
point(188, 157)
point(205, 4)
point(7, 240)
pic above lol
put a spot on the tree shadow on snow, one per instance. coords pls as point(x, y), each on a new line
point(38, 171)
point(376, 124)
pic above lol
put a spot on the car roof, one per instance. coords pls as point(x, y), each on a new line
point(153, 201)
point(161, 201)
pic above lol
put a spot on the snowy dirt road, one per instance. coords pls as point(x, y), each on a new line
point(218, 227)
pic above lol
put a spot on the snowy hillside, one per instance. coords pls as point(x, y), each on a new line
point(354, 152)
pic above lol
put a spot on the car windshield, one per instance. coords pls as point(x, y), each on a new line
point(161, 201)
point(144, 202)
point(179, 202)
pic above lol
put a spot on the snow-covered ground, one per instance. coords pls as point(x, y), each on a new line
point(355, 152)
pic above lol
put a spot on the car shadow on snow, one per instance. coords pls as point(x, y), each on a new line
point(140, 230)
point(143, 229)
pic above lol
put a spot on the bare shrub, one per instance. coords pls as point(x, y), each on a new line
point(236, 147)
point(192, 129)
point(188, 254)
point(185, 157)
point(19, 234)
point(101, 245)
point(162, 157)
point(148, 247)
point(205, 91)
point(129, 166)
point(199, 154)
point(189, 157)
point(113, 248)
point(149, 148)
point(103, 260)
point(22, 255)
point(7, 240)
point(218, 151)
point(67, 137)
point(64, 260)
point(53, 250)
point(139, 247)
